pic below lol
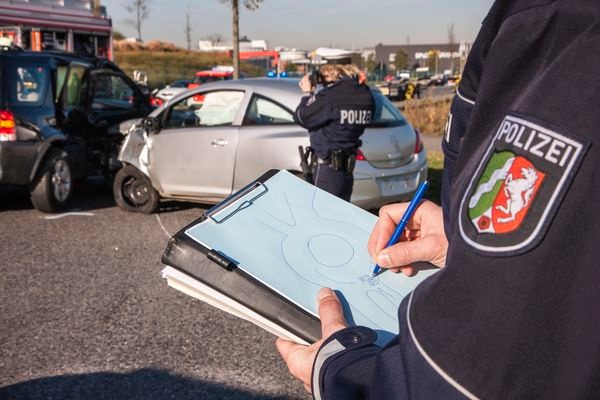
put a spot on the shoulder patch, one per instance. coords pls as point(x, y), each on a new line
point(518, 186)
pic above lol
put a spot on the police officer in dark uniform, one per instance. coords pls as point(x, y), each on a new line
point(336, 117)
point(514, 312)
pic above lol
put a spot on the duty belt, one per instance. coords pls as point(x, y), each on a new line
point(339, 160)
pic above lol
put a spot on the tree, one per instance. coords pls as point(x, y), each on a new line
point(401, 60)
point(215, 38)
point(117, 35)
point(451, 42)
point(188, 29)
point(370, 63)
point(139, 11)
point(235, 11)
point(451, 36)
point(291, 67)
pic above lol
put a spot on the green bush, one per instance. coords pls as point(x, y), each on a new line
point(429, 114)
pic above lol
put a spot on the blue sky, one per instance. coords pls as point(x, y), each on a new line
point(310, 24)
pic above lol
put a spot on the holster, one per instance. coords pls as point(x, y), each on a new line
point(306, 162)
point(339, 160)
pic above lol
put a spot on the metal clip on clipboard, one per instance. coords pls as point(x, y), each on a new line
point(213, 212)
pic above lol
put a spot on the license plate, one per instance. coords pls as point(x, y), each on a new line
point(394, 185)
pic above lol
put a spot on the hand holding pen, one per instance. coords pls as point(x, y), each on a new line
point(422, 239)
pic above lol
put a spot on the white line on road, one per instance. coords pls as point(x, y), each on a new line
point(57, 216)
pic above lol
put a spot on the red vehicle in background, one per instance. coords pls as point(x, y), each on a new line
point(219, 73)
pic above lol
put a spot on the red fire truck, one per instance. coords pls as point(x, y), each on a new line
point(74, 26)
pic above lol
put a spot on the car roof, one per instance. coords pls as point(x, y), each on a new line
point(283, 90)
point(60, 55)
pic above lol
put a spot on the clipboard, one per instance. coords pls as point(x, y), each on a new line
point(272, 246)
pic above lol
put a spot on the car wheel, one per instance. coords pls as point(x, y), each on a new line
point(133, 191)
point(52, 189)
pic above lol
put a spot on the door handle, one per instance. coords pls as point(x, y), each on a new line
point(219, 143)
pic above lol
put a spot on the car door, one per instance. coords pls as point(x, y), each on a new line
point(114, 99)
point(194, 153)
point(269, 139)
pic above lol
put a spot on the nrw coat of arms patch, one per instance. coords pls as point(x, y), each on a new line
point(518, 186)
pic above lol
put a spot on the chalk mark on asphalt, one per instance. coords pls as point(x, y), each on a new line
point(162, 226)
point(75, 213)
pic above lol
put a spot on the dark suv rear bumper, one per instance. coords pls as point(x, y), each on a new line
point(17, 160)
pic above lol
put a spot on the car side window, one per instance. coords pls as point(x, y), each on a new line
point(28, 85)
point(76, 87)
point(217, 108)
point(265, 112)
point(112, 92)
point(61, 78)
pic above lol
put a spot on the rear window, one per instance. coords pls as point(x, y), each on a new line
point(386, 114)
point(27, 83)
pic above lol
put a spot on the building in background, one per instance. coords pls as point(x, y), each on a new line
point(438, 57)
point(246, 45)
point(67, 25)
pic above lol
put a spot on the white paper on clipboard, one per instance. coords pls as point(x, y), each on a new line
point(295, 239)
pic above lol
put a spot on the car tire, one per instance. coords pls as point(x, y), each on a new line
point(53, 187)
point(133, 191)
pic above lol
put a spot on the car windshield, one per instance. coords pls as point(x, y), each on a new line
point(386, 114)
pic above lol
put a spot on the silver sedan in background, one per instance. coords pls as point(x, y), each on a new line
point(208, 142)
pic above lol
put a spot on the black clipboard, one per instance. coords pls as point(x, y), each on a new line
point(279, 240)
point(189, 257)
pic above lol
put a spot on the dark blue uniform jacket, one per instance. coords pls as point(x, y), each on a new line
point(515, 314)
point(336, 116)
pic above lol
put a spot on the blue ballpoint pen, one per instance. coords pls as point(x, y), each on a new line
point(404, 220)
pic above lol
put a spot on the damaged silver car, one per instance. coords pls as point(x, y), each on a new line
point(208, 142)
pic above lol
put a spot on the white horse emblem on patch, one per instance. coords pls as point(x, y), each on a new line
point(518, 192)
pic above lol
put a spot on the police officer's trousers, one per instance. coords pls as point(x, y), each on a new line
point(338, 183)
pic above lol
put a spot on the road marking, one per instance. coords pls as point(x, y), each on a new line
point(75, 213)
point(162, 226)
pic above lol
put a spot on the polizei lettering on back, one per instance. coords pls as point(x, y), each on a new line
point(355, 117)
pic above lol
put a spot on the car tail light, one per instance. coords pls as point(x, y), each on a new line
point(8, 130)
point(156, 101)
point(418, 142)
point(360, 156)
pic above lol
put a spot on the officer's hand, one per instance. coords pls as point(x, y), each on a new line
point(299, 358)
point(305, 84)
point(423, 239)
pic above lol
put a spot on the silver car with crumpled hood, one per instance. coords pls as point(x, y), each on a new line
point(208, 142)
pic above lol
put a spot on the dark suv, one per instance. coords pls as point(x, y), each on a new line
point(59, 117)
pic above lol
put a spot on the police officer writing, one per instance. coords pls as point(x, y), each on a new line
point(514, 313)
point(336, 117)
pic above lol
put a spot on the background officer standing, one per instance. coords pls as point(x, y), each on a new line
point(335, 116)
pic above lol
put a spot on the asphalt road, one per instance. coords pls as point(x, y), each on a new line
point(85, 314)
